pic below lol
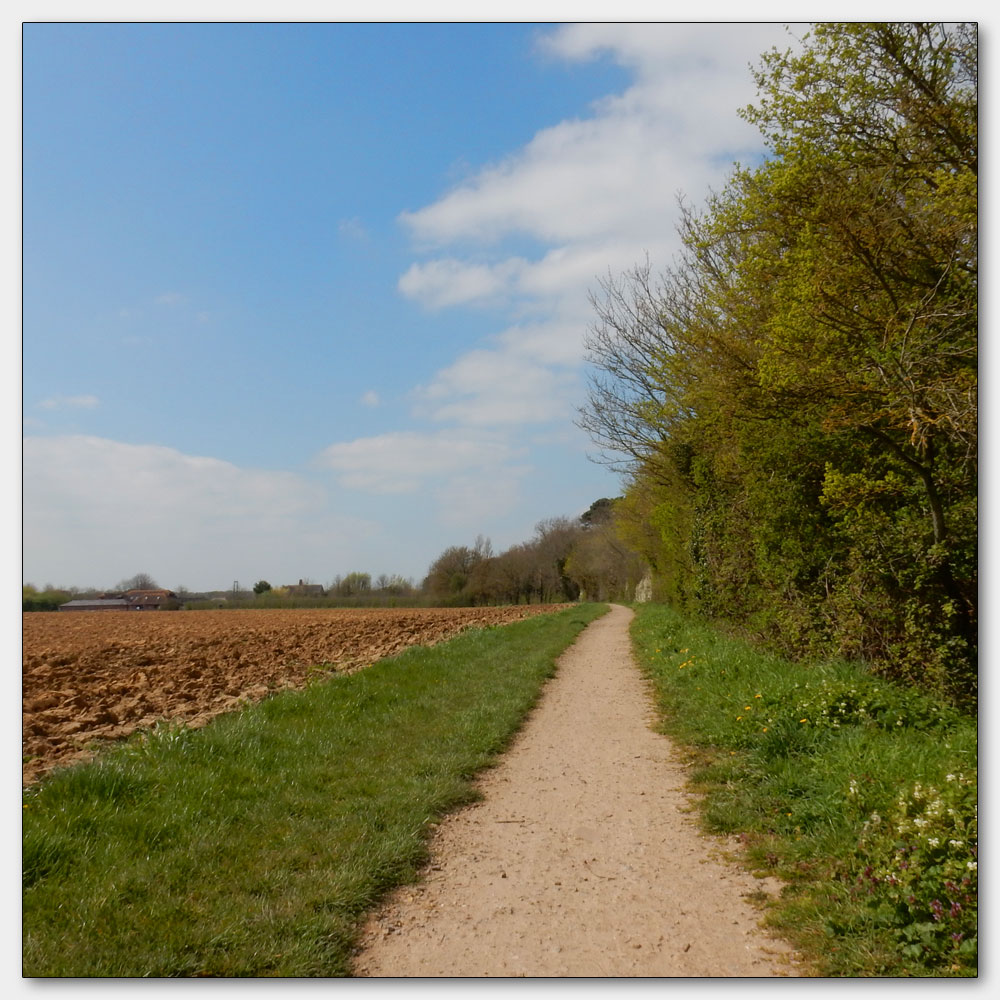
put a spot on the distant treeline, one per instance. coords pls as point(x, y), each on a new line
point(566, 560)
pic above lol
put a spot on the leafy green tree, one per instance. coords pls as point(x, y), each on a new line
point(261, 586)
point(795, 401)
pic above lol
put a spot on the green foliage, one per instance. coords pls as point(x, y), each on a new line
point(796, 400)
point(859, 793)
point(261, 586)
point(43, 600)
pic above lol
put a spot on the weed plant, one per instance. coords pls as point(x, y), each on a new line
point(859, 794)
point(254, 846)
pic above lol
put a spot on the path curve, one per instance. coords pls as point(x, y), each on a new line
point(583, 859)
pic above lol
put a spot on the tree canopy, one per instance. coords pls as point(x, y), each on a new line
point(795, 399)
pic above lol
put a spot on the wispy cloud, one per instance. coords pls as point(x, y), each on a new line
point(353, 229)
point(83, 402)
point(403, 461)
point(473, 475)
point(370, 399)
point(489, 388)
point(169, 299)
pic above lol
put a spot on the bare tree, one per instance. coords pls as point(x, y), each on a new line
point(141, 581)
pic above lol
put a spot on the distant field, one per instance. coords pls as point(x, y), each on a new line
point(93, 676)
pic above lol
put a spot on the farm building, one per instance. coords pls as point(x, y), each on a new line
point(96, 604)
point(131, 600)
point(152, 600)
point(301, 589)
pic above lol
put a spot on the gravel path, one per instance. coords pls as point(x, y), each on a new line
point(583, 858)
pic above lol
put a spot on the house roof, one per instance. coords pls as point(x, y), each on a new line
point(97, 602)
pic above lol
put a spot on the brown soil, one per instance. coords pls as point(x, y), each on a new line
point(93, 676)
point(582, 859)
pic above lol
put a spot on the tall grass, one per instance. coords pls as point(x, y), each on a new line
point(859, 794)
point(253, 847)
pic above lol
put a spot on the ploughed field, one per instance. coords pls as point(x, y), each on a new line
point(97, 676)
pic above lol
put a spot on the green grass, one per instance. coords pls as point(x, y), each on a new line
point(859, 794)
point(254, 846)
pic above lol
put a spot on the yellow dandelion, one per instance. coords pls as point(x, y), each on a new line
point(758, 696)
point(803, 720)
point(764, 730)
point(746, 708)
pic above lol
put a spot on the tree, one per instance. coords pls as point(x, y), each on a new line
point(141, 581)
point(601, 564)
point(354, 584)
point(449, 574)
point(795, 400)
point(261, 586)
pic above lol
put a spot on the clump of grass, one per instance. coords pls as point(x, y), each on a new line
point(860, 794)
point(254, 846)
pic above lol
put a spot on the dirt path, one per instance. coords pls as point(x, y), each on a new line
point(582, 859)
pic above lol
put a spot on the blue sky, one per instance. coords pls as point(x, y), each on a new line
point(307, 299)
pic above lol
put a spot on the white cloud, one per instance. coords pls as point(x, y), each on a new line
point(598, 193)
point(370, 399)
point(169, 299)
point(84, 402)
point(97, 510)
point(450, 282)
point(619, 170)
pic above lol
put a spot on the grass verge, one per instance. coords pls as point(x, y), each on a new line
point(254, 846)
point(861, 796)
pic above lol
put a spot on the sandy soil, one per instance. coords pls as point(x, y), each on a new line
point(100, 675)
point(583, 859)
